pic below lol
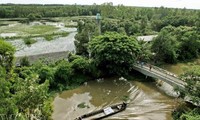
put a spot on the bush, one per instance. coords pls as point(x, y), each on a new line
point(46, 73)
point(48, 37)
point(72, 57)
point(29, 41)
point(24, 61)
point(64, 73)
point(80, 65)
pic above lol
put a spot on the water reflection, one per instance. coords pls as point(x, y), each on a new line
point(146, 102)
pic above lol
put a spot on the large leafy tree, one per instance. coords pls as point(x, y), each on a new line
point(114, 53)
point(165, 46)
point(86, 29)
point(190, 45)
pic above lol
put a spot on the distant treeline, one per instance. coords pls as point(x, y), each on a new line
point(106, 9)
point(157, 17)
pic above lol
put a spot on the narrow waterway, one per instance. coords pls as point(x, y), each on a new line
point(146, 101)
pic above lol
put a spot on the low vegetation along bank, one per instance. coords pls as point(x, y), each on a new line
point(29, 32)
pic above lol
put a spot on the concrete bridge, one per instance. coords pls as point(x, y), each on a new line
point(160, 74)
point(163, 75)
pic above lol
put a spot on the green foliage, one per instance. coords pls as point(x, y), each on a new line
point(191, 115)
point(190, 45)
point(173, 44)
point(73, 57)
point(29, 41)
point(24, 61)
point(47, 108)
point(33, 17)
point(30, 94)
point(114, 53)
point(192, 78)
point(179, 110)
point(46, 73)
point(125, 98)
point(80, 65)
point(192, 90)
point(165, 47)
point(24, 72)
point(64, 73)
point(48, 37)
point(145, 52)
point(82, 105)
point(20, 90)
point(6, 55)
point(6, 102)
point(183, 112)
point(86, 30)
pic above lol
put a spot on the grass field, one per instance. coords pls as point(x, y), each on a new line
point(25, 30)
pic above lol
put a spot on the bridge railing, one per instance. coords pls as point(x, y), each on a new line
point(162, 73)
point(159, 69)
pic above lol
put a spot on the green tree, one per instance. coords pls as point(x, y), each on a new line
point(190, 45)
point(86, 30)
point(165, 46)
point(114, 53)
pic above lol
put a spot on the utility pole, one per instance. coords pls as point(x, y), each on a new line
point(98, 19)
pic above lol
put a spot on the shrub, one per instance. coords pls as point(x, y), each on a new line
point(24, 61)
point(64, 73)
point(48, 37)
point(29, 41)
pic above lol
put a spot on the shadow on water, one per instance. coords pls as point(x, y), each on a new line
point(145, 100)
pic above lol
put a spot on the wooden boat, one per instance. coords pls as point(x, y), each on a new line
point(103, 113)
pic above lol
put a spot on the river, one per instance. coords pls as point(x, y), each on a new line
point(146, 101)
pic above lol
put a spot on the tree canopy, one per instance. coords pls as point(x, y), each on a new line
point(165, 47)
point(176, 44)
point(114, 53)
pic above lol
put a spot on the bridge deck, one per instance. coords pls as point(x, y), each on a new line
point(164, 75)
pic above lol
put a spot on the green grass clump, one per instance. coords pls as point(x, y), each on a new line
point(29, 41)
point(125, 98)
point(48, 37)
point(82, 105)
point(64, 34)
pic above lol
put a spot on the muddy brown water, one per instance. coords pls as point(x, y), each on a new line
point(146, 101)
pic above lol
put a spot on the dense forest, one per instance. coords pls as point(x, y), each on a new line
point(156, 17)
point(112, 51)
